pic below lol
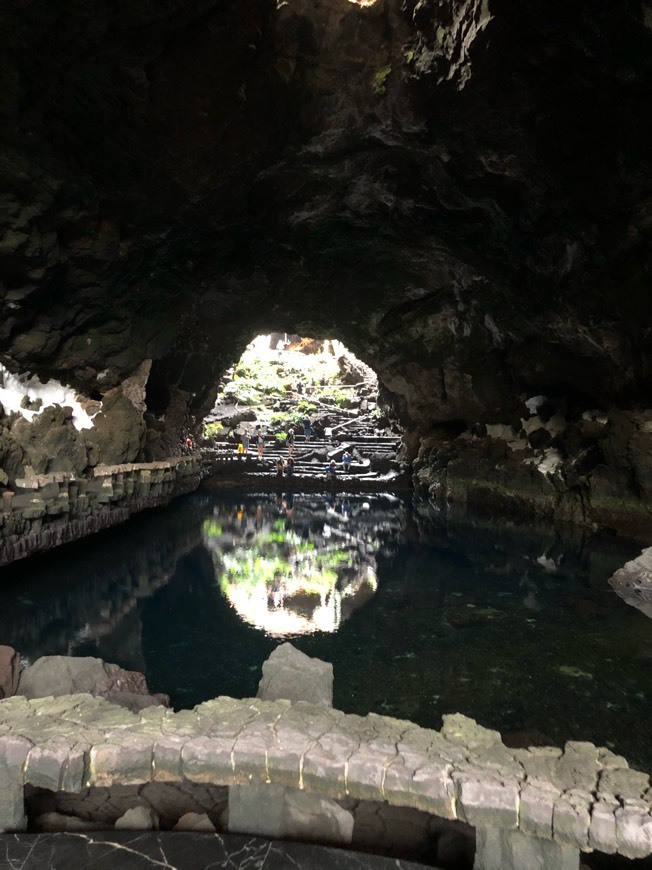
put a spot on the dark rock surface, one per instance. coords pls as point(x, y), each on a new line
point(459, 191)
point(129, 850)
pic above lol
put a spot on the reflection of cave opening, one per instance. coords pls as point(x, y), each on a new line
point(291, 567)
point(281, 379)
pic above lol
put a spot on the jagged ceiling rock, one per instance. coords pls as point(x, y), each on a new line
point(460, 191)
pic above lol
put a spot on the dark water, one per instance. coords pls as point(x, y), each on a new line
point(421, 613)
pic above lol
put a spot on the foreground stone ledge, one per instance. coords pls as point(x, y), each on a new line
point(70, 743)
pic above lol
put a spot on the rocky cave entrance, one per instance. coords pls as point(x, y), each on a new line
point(282, 379)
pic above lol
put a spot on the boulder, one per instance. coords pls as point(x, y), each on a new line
point(118, 432)
point(633, 582)
point(194, 822)
point(50, 442)
point(9, 671)
point(290, 674)
point(138, 819)
point(66, 675)
point(12, 457)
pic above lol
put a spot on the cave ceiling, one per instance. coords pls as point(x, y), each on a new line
point(460, 191)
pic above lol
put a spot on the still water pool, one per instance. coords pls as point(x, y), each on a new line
point(420, 612)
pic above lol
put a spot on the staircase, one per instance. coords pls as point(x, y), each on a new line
point(374, 464)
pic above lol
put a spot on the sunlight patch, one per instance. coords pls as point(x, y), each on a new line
point(15, 387)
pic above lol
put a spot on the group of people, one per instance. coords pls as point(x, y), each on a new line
point(331, 467)
point(259, 439)
point(285, 467)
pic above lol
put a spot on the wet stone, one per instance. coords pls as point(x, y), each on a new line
point(208, 759)
point(536, 809)
point(578, 767)
point(536, 765)
point(55, 767)
point(250, 748)
point(623, 783)
point(166, 761)
point(511, 850)
point(602, 830)
point(13, 752)
point(427, 787)
point(458, 728)
point(571, 818)
point(126, 763)
point(633, 831)
point(483, 802)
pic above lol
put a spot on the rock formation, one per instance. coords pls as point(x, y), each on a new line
point(53, 676)
point(459, 191)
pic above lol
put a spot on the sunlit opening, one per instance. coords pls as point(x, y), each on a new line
point(281, 379)
point(26, 395)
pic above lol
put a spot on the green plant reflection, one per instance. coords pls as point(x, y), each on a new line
point(293, 568)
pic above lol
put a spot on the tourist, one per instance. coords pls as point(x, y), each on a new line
point(331, 469)
point(280, 467)
point(289, 467)
point(307, 428)
point(346, 461)
point(260, 442)
point(245, 441)
point(290, 441)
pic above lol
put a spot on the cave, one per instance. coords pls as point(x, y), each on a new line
point(459, 191)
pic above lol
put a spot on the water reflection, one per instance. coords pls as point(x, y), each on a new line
point(294, 565)
point(420, 612)
point(84, 599)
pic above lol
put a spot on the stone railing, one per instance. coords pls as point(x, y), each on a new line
point(52, 509)
point(530, 807)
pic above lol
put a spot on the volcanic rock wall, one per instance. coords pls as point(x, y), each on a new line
point(459, 191)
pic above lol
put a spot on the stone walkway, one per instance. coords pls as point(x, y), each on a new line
point(374, 465)
point(579, 798)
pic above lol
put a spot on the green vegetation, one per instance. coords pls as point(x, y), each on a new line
point(261, 380)
point(213, 430)
point(278, 554)
point(212, 528)
point(380, 80)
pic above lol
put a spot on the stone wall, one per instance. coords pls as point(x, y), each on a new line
point(47, 510)
point(580, 798)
